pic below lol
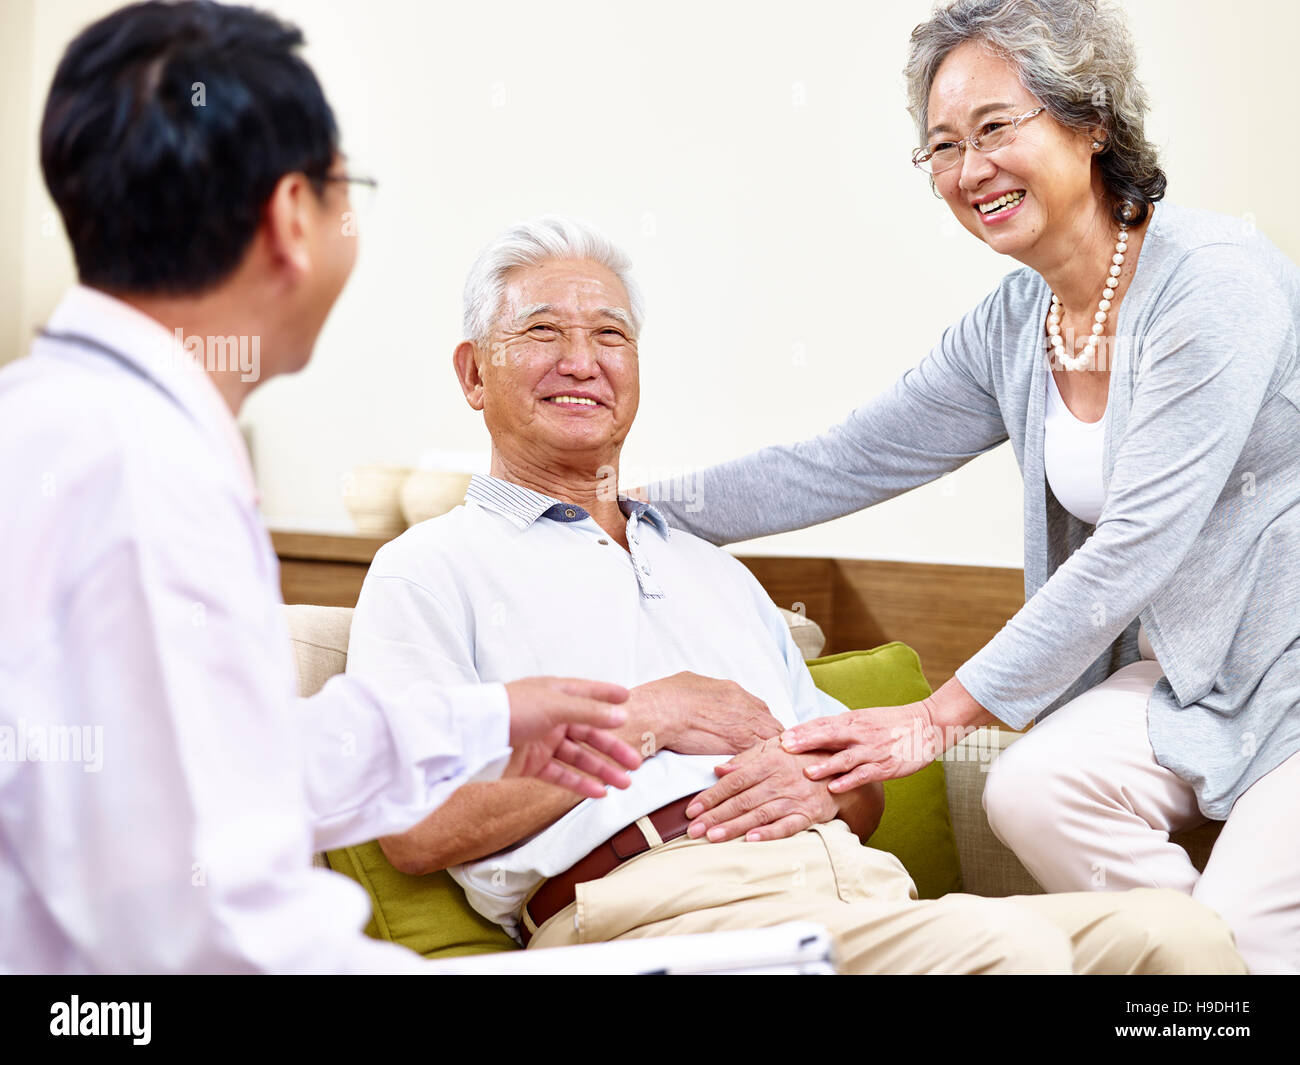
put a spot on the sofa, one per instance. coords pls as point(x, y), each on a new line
point(319, 635)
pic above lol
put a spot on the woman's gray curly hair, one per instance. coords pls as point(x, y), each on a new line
point(1076, 57)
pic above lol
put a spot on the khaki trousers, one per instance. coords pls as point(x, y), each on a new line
point(866, 900)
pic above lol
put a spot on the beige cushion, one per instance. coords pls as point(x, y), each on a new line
point(808, 635)
point(988, 867)
point(320, 643)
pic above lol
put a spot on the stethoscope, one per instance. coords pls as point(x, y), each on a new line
point(100, 348)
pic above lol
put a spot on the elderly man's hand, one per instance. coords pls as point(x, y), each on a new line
point(692, 714)
point(558, 732)
point(764, 793)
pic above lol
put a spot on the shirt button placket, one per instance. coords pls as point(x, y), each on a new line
point(649, 589)
point(638, 563)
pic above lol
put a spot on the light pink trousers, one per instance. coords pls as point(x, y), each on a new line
point(1084, 805)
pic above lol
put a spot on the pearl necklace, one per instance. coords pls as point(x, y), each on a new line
point(1085, 359)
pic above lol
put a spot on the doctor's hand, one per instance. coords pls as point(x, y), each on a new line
point(559, 732)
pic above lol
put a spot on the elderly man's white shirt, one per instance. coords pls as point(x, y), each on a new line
point(494, 591)
point(141, 601)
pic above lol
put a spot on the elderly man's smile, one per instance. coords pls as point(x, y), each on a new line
point(575, 403)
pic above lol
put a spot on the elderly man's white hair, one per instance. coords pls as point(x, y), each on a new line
point(531, 243)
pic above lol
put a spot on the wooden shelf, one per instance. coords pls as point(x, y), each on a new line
point(330, 547)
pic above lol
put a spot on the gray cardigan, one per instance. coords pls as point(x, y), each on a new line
point(1199, 537)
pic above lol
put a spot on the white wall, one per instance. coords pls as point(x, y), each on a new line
point(15, 91)
point(32, 38)
point(752, 157)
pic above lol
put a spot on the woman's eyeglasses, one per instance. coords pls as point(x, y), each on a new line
point(988, 138)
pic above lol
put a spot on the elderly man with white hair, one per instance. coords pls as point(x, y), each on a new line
point(547, 569)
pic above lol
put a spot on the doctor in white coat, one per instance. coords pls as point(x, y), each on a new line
point(162, 789)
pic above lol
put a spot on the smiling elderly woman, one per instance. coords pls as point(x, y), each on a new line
point(1143, 365)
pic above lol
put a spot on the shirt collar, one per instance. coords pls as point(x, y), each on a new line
point(146, 346)
point(522, 506)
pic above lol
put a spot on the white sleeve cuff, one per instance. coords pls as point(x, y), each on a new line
point(480, 715)
point(402, 758)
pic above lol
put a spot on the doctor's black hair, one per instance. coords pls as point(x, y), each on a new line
point(166, 129)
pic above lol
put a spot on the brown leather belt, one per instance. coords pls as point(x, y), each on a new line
point(556, 893)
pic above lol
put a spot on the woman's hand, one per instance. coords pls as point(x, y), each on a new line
point(881, 743)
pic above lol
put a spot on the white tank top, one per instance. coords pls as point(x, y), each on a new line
point(1072, 455)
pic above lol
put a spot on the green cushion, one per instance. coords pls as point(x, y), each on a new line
point(428, 914)
point(915, 826)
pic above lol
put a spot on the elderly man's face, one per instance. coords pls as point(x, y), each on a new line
point(559, 375)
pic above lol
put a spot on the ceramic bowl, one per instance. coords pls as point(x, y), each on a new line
point(428, 493)
point(373, 496)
